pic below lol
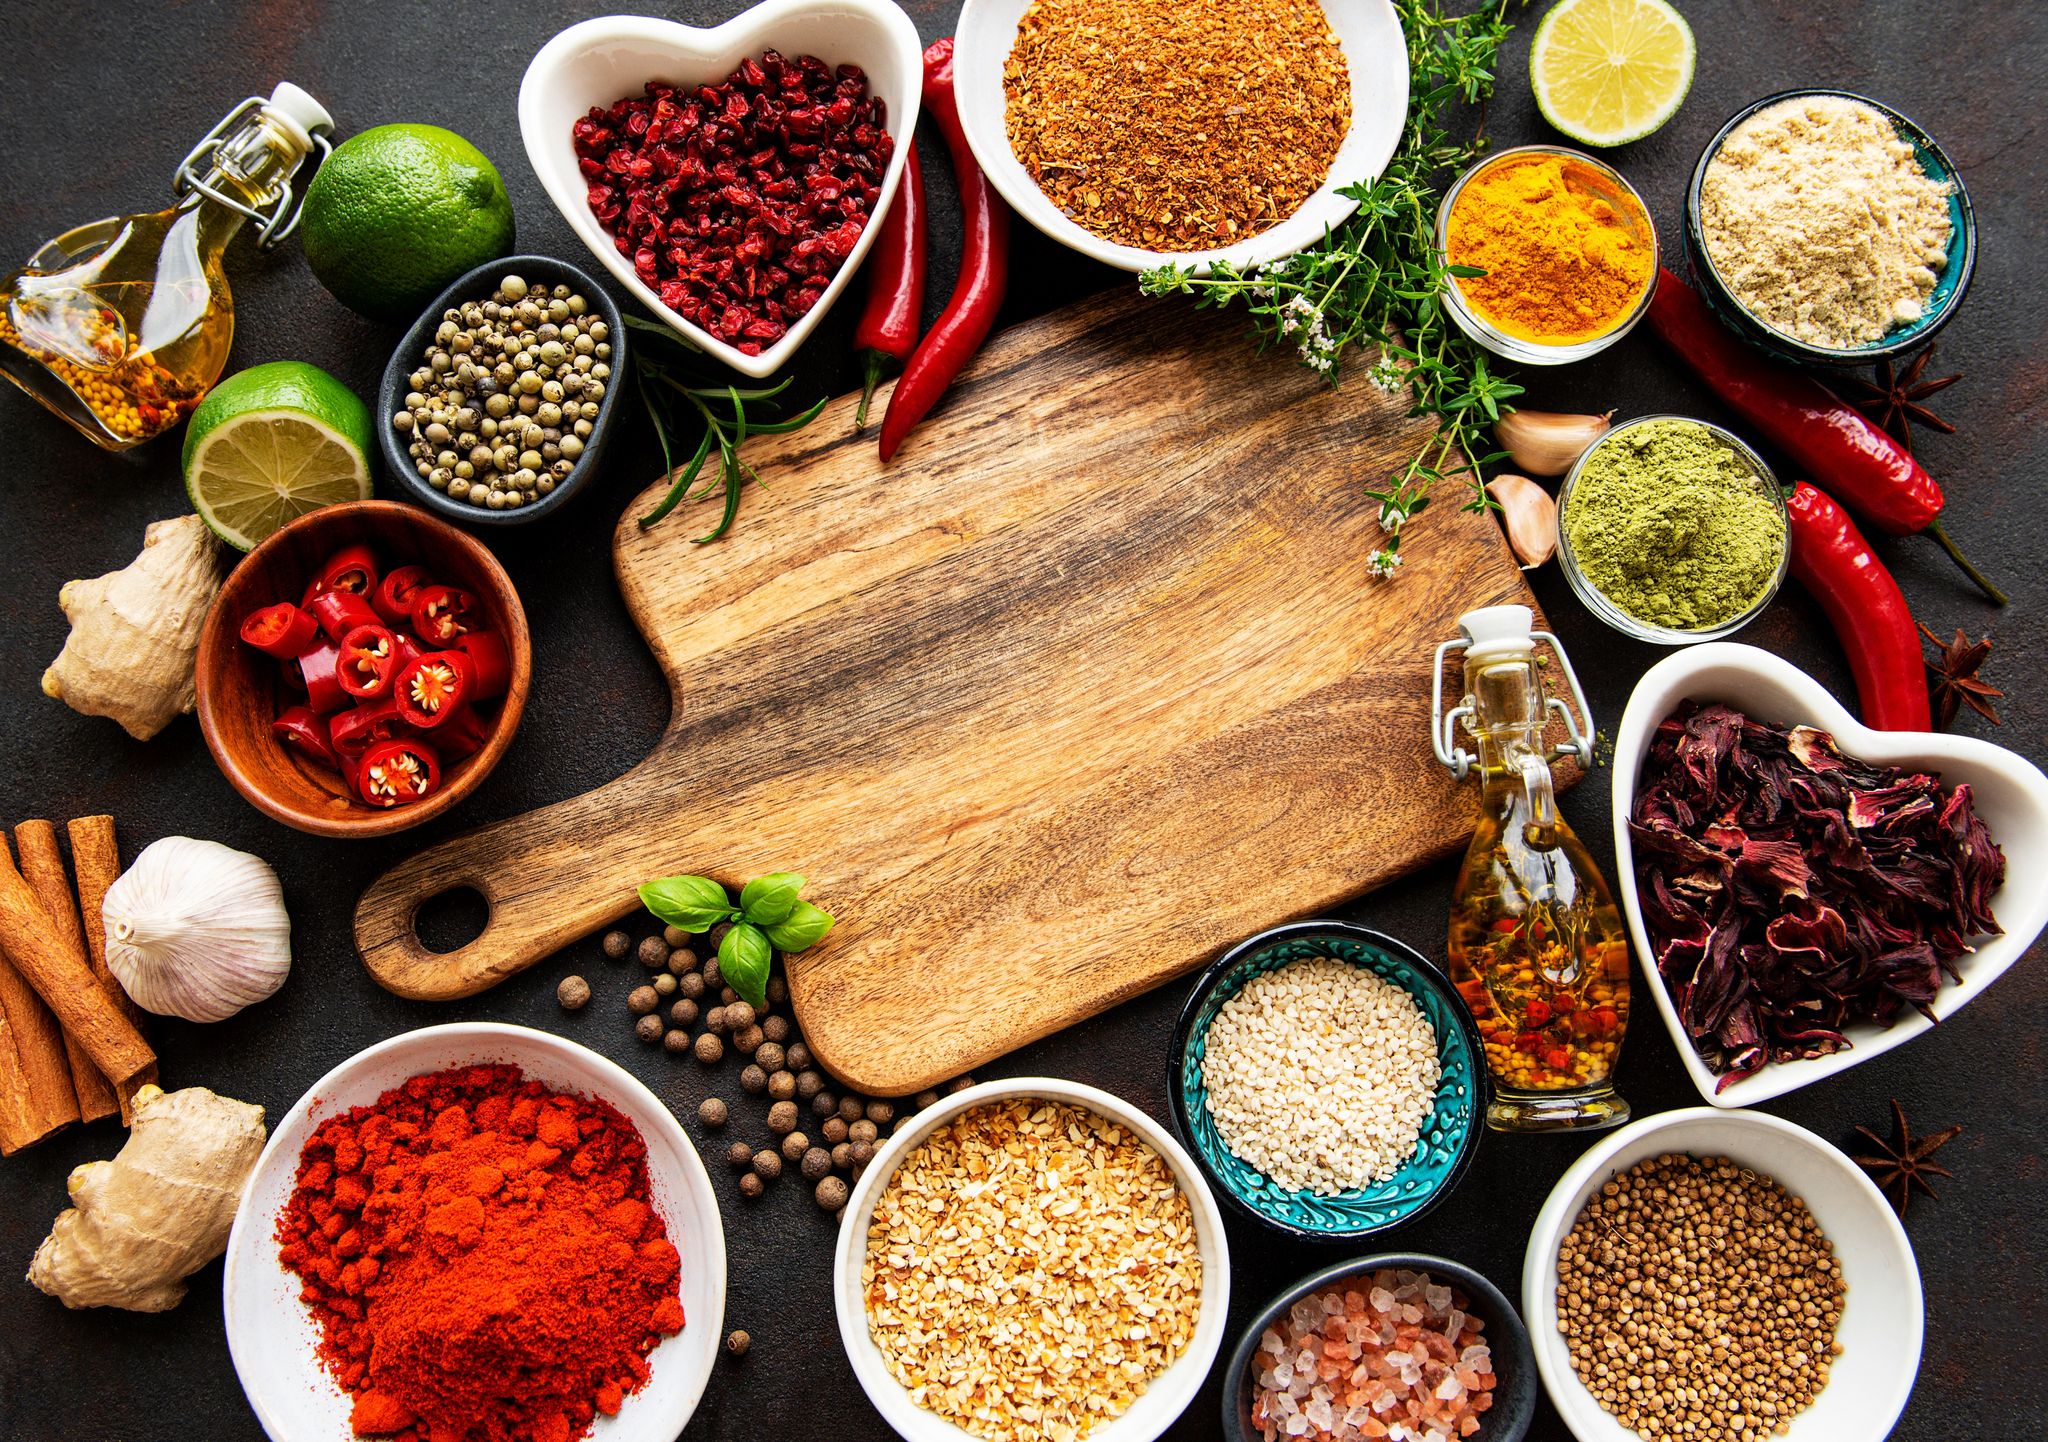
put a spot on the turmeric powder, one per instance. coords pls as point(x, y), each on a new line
point(1567, 253)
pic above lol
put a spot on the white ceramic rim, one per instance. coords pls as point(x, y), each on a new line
point(552, 153)
point(1379, 118)
point(1770, 688)
point(1169, 1394)
point(512, 1039)
point(1584, 1416)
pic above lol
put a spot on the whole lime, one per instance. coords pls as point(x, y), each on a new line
point(398, 212)
point(271, 443)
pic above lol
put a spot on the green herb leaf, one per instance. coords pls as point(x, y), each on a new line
point(805, 928)
point(694, 903)
point(744, 960)
point(768, 900)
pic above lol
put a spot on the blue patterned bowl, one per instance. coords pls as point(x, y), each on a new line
point(1448, 1139)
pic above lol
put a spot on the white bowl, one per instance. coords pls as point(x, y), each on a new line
point(1374, 49)
point(598, 62)
point(2009, 791)
point(1170, 1392)
point(272, 1336)
point(1882, 1317)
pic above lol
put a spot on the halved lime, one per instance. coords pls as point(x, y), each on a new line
point(1606, 72)
point(271, 443)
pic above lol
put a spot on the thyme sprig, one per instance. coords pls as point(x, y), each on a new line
point(1379, 279)
point(673, 401)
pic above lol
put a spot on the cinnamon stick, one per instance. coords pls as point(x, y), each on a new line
point(47, 1100)
point(42, 866)
point(96, 860)
point(66, 985)
point(16, 1131)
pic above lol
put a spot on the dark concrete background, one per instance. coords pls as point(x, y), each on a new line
point(102, 101)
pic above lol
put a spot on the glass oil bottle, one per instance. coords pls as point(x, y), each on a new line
point(122, 326)
point(1538, 949)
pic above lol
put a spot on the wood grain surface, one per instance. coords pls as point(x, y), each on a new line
point(1090, 682)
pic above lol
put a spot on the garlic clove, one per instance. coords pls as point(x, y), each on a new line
point(1545, 443)
point(197, 930)
point(1529, 515)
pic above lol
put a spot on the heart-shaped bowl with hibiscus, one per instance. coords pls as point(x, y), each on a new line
point(596, 63)
point(2009, 793)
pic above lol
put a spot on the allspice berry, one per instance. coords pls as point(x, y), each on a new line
point(746, 1038)
point(710, 1050)
point(808, 1083)
point(739, 1016)
point(676, 1042)
point(617, 944)
point(713, 1112)
point(862, 1153)
point(727, 996)
point(690, 984)
point(781, 1085)
point(684, 1012)
point(768, 1054)
point(824, 1104)
point(714, 1019)
point(816, 1164)
point(794, 1146)
point(712, 978)
point(643, 1000)
point(842, 1155)
point(881, 1113)
point(775, 1028)
point(799, 1056)
point(573, 993)
point(831, 1194)
point(683, 963)
point(739, 1155)
point(778, 990)
point(751, 1186)
point(958, 1084)
point(925, 1099)
point(650, 1028)
point(834, 1130)
point(717, 934)
point(737, 1343)
point(664, 985)
point(852, 1108)
point(675, 936)
point(753, 1079)
point(862, 1131)
point(782, 1118)
point(653, 953)
point(767, 1165)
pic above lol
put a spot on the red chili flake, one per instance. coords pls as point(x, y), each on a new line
point(738, 202)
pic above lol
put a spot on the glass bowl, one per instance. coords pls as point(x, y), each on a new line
point(1519, 348)
point(1448, 1140)
point(1630, 625)
point(1942, 302)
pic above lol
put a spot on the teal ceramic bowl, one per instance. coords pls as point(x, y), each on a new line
point(1942, 302)
point(1448, 1140)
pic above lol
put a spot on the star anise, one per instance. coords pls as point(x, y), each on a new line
point(1904, 1165)
point(1898, 397)
point(1955, 679)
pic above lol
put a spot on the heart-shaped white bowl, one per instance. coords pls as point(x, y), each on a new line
point(272, 1337)
point(598, 62)
point(2009, 791)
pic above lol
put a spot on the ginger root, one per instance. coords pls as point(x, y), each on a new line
point(159, 1211)
point(135, 632)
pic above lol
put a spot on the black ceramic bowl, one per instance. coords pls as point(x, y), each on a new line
point(478, 284)
point(1514, 1363)
point(1942, 303)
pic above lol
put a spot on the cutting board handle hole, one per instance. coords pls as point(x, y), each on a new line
point(452, 919)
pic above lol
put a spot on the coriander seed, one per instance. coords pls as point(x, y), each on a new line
point(573, 993)
point(713, 1112)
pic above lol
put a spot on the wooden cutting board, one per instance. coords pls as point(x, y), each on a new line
point(1090, 683)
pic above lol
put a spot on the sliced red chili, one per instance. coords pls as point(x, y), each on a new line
point(462, 735)
point(434, 688)
point(283, 631)
point(298, 729)
point(340, 612)
point(319, 668)
point(437, 613)
point(355, 731)
point(369, 661)
point(491, 662)
point(395, 594)
point(398, 772)
point(408, 648)
point(352, 568)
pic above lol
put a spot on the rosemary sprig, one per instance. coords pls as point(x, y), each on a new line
point(673, 402)
point(1379, 278)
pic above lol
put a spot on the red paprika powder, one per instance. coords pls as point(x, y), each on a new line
point(483, 1258)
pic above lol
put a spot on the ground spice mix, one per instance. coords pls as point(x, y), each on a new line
point(482, 1257)
point(1177, 125)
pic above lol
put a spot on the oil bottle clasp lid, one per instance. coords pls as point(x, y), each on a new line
point(301, 118)
point(1504, 631)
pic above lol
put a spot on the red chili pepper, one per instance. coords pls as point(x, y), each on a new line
point(1537, 1013)
point(491, 662)
point(1833, 561)
point(398, 772)
point(340, 612)
point(283, 631)
point(437, 613)
point(984, 268)
point(408, 648)
point(355, 731)
point(298, 729)
point(462, 735)
point(393, 598)
point(369, 660)
point(1827, 438)
point(353, 569)
point(433, 688)
point(888, 327)
point(1557, 1058)
point(319, 669)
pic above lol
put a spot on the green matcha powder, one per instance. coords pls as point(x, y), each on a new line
point(1673, 526)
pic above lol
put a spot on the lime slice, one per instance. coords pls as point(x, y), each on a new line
point(1606, 72)
point(271, 443)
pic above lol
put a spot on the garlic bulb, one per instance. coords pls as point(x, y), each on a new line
point(198, 930)
point(1529, 515)
point(1545, 443)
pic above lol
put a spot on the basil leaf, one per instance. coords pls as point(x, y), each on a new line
point(744, 958)
point(768, 899)
point(694, 903)
point(806, 927)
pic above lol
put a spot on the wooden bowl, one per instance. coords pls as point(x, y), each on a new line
point(239, 691)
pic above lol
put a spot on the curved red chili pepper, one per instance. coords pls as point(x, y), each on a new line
point(463, 735)
point(896, 268)
point(340, 612)
point(283, 631)
point(437, 613)
point(370, 658)
point(319, 671)
point(356, 730)
point(1827, 438)
point(393, 598)
point(984, 268)
point(432, 689)
point(352, 568)
point(298, 729)
point(398, 772)
point(491, 662)
point(1833, 561)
